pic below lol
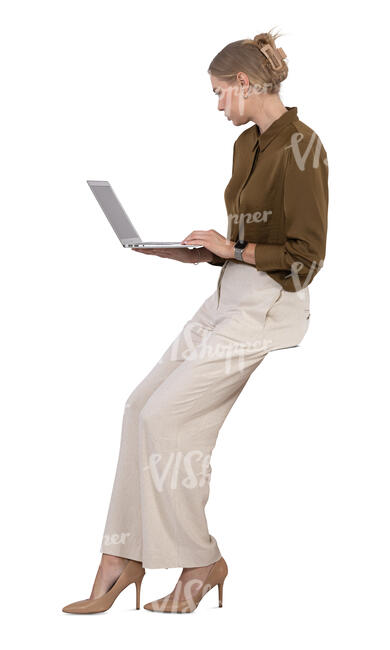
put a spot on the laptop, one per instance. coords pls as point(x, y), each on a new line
point(120, 222)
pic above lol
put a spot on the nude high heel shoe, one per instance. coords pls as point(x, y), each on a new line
point(133, 572)
point(216, 576)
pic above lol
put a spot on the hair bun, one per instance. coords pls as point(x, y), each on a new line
point(264, 39)
point(274, 55)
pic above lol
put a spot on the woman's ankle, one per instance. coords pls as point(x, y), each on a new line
point(113, 559)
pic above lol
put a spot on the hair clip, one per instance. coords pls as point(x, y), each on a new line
point(275, 57)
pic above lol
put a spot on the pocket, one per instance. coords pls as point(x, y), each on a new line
point(268, 317)
point(276, 299)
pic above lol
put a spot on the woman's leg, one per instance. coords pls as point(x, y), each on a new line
point(178, 428)
point(170, 425)
point(123, 535)
point(122, 539)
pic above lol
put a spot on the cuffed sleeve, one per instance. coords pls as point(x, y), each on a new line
point(269, 257)
point(305, 209)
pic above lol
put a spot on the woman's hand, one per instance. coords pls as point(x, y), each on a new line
point(210, 242)
point(180, 254)
point(213, 241)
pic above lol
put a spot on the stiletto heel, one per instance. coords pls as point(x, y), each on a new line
point(216, 576)
point(220, 592)
point(138, 592)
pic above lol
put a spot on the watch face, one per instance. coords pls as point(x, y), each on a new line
point(240, 244)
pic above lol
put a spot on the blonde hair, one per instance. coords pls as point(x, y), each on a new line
point(246, 56)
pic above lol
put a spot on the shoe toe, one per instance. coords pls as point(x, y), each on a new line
point(74, 608)
point(159, 605)
point(154, 605)
point(148, 606)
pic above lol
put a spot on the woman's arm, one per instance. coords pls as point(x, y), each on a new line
point(306, 210)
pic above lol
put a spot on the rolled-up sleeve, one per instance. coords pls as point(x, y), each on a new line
point(305, 203)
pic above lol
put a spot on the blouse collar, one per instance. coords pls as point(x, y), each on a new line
point(263, 139)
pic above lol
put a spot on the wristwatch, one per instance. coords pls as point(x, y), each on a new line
point(238, 249)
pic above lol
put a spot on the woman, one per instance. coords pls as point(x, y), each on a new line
point(277, 202)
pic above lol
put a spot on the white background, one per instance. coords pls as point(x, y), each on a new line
point(299, 498)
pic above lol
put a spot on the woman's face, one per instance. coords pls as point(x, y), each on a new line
point(231, 98)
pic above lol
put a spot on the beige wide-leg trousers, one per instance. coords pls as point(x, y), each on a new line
point(172, 418)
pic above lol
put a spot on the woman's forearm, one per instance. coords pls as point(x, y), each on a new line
point(248, 254)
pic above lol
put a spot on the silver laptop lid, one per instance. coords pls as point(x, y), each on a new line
point(114, 212)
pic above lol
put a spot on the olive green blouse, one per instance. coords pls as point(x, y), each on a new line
point(277, 198)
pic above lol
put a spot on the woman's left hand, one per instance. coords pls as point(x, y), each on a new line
point(213, 241)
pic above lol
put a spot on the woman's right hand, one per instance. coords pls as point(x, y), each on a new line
point(187, 255)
